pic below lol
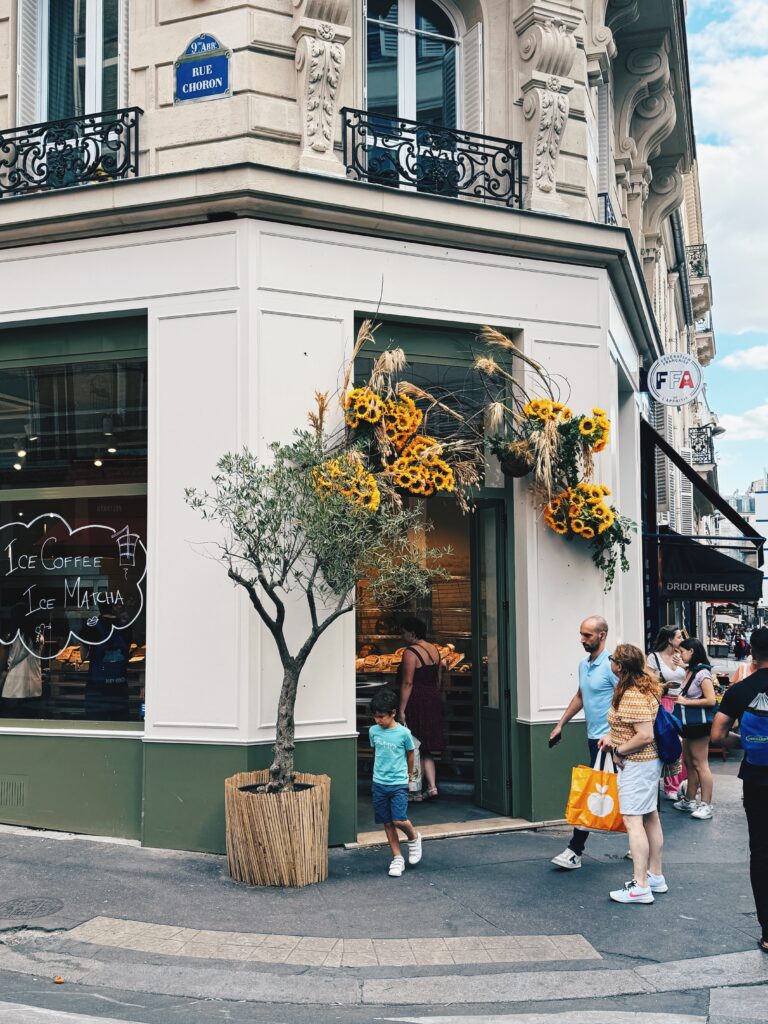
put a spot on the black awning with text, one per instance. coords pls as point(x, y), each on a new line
point(695, 572)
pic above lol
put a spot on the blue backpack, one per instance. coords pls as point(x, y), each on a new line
point(666, 729)
point(754, 730)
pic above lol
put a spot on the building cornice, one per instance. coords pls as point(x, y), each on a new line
point(276, 194)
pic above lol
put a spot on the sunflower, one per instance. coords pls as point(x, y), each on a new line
point(577, 525)
point(587, 426)
point(599, 412)
point(560, 528)
point(587, 533)
point(554, 505)
point(566, 414)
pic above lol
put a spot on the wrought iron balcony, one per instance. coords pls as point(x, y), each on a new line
point(421, 157)
point(605, 210)
point(75, 151)
point(698, 260)
point(702, 446)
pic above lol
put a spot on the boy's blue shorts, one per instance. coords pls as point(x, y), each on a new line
point(390, 803)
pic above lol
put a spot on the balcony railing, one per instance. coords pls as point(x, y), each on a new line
point(698, 260)
point(75, 151)
point(412, 155)
point(605, 210)
point(702, 446)
point(704, 324)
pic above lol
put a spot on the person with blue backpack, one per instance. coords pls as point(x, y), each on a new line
point(747, 703)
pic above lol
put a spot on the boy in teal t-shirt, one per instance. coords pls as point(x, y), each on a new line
point(392, 765)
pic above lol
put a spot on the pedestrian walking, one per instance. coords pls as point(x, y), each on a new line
point(695, 708)
point(420, 700)
point(594, 695)
point(392, 765)
point(632, 745)
point(747, 703)
point(666, 661)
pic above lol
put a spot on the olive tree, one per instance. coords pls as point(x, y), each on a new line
point(311, 520)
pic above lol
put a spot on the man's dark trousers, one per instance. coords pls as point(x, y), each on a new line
point(579, 837)
point(756, 807)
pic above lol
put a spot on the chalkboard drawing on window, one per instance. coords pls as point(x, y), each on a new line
point(61, 587)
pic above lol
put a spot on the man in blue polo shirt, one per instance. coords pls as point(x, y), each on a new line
point(596, 685)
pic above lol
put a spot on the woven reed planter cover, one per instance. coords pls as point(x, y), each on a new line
point(277, 838)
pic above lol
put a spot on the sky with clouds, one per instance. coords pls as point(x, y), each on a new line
point(728, 45)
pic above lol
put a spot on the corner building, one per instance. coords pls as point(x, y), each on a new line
point(179, 278)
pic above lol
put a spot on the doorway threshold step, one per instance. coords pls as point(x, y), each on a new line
point(456, 829)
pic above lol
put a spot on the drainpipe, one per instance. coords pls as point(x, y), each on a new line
point(682, 264)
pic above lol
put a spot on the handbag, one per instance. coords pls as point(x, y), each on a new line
point(666, 733)
point(693, 716)
point(415, 781)
point(593, 802)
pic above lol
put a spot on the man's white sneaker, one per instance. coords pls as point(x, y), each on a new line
point(567, 859)
point(684, 805)
point(397, 867)
point(632, 893)
point(702, 812)
point(657, 883)
point(414, 849)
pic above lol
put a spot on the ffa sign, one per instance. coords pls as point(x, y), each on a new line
point(675, 379)
point(202, 71)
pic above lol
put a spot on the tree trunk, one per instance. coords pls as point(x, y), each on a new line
point(281, 771)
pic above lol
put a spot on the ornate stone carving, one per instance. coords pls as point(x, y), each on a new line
point(599, 44)
point(665, 195)
point(548, 48)
point(620, 13)
point(642, 71)
point(319, 28)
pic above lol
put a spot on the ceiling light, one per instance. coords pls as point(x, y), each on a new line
point(112, 451)
point(17, 465)
point(98, 462)
point(107, 426)
point(21, 452)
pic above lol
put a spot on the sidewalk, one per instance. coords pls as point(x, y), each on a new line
point(484, 925)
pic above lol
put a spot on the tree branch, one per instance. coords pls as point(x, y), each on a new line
point(311, 640)
point(311, 594)
point(275, 626)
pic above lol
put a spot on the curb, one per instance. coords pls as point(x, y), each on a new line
point(482, 827)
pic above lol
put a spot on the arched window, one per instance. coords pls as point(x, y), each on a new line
point(419, 66)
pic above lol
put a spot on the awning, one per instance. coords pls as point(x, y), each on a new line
point(728, 620)
point(696, 572)
point(749, 533)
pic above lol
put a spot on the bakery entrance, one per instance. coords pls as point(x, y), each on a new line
point(466, 617)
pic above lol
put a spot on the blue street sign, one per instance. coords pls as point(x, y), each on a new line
point(202, 71)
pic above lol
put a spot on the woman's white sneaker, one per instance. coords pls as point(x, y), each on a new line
point(397, 867)
point(414, 849)
point(632, 893)
point(702, 812)
point(657, 883)
point(684, 805)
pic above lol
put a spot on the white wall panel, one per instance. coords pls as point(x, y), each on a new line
point(195, 614)
point(430, 279)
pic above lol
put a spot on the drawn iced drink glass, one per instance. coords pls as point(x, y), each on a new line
point(126, 545)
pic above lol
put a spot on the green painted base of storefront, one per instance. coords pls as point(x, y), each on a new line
point(543, 776)
point(168, 795)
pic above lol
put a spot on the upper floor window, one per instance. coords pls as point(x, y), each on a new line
point(420, 66)
point(71, 58)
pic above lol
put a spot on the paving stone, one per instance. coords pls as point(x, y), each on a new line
point(707, 972)
point(739, 1005)
point(393, 952)
point(307, 957)
point(270, 954)
point(314, 942)
point(568, 1017)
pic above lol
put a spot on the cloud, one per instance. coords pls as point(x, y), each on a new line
point(729, 68)
point(754, 358)
point(751, 425)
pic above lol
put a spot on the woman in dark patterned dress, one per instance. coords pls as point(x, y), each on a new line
point(421, 708)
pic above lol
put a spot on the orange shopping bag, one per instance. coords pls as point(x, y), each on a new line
point(593, 802)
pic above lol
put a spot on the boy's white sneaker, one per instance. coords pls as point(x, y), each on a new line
point(567, 859)
point(397, 867)
point(414, 849)
point(702, 812)
point(632, 893)
point(657, 883)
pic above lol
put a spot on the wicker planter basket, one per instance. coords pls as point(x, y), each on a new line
point(515, 465)
point(277, 838)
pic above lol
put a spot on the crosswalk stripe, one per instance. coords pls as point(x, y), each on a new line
point(568, 1017)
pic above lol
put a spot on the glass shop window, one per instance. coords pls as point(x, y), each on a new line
point(73, 512)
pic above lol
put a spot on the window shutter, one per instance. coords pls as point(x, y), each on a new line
point(472, 74)
point(603, 139)
point(686, 497)
point(29, 53)
point(673, 474)
point(662, 480)
point(122, 56)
